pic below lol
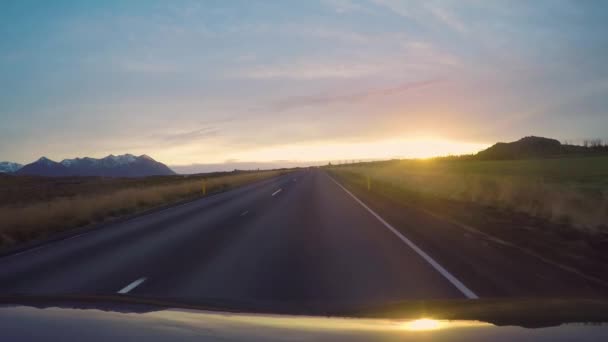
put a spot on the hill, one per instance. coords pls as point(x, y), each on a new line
point(537, 147)
point(126, 165)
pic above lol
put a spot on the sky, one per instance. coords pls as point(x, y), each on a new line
point(207, 85)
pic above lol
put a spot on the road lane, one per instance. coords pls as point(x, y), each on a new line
point(314, 246)
point(445, 273)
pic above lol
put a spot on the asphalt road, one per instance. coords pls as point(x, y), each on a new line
point(299, 240)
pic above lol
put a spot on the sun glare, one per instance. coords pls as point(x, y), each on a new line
point(422, 324)
point(384, 149)
point(324, 151)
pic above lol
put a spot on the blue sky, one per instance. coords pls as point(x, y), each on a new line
point(221, 82)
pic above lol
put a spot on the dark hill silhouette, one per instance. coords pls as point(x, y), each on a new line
point(536, 147)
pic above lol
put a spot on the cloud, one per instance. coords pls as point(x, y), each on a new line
point(309, 71)
point(149, 67)
point(184, 137)
point(447, 17)
point(326, 99)
point(328, 33)
point(343, 6)
point(407, 56)
point(424, 12)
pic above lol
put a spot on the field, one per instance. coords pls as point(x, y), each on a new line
point(35, 207)
point(571, 192)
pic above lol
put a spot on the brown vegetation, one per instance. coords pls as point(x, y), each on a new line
point(567, 191)
point(61, 204)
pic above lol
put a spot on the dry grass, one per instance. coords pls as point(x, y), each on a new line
point(573, 191)
point(23, 222)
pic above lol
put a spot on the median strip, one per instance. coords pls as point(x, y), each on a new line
point(131, 286)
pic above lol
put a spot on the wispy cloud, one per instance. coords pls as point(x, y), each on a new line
point(408, 57)
point(188, 136)
point(425, 12)
point(332, 34)
point(148, 67)
point(343, 6)
point(447, 17)
point(309, 71)
point(327, 99)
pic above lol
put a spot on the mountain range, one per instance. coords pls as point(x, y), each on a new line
point(8, 167)
point(126, 165)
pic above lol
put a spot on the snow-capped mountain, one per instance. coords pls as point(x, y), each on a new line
point(9, 167)
point(126, 165)
point(121, 160)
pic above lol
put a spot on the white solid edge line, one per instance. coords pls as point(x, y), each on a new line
point(245, 213)
point(276, 192)
point(131, 286)
point(457, 283)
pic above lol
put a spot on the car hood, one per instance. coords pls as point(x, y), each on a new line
point(101, 318)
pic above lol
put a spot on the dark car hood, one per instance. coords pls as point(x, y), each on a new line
point(101, 318)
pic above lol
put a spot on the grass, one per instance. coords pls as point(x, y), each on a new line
point(36, 207)
point(572, 191)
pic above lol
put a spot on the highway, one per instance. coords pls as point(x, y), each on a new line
point(300, 240)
